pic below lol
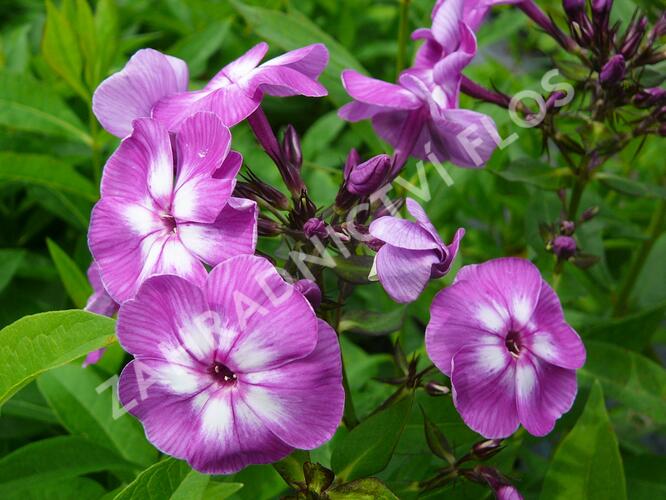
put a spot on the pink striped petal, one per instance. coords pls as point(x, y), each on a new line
point(310, 60)
point(483, 381)
point(131, 93)
point(404, 273)
point(543, 393)
point(260, 307)
point(239, 68)
point(376, 92)
point(233, 233)
point(306, 390)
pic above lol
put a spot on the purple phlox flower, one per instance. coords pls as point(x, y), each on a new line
point(412, 254)
point(239, 371)
point(310, 290)
point(237, 90)
point(500, 334)
point(100, 302)
point(166, 206)
point(419, 115)
point(131, 93)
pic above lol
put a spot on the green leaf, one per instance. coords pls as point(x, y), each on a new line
point(373, 323)
point(642, 326)
point(368, 448)
point(627, 377)
point(10, 261)
point(41, 342)
point(354, 269)
point(60, 49)
point(533, 172)
point(630, 187)
point(72, 393)
point(321, 134)
point(169, 479)
point(436, 440)
point(80, 488)
point(72, 277)
point(645, 476)
point(362, 489)
point(106, 30)
point(42, 170)
point(587, 463)
point(197, 48)
point(53, 459)
point(317, 477)
point(294, 30)
point(220, 491)
point(291, 468)
point(31, 106)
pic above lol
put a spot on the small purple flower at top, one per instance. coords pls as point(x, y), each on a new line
point(167, 206)
point(131, 93)
point(237, 372)
point(237, 90)
point(412, 253)
point(500, 334)
point(100, 302)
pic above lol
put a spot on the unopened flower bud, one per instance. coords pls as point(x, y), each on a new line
point(291, 147)
point(589, 213)
point(267, 227)
point(613, 71)
point(315, 227)
point(486, 449)
point(567, 227)
point(353, 159)
point(369, 176)
point(647, 98)
point(254, 188)
point(573, 8)
point(434, 389)
point(601, 7)
point(310, 291)
point(564, 247)
point(633, 37)
point(389, 209)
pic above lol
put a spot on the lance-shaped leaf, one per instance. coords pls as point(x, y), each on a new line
point(373, 323)
point(37, 343)
point(587, 463)
point(169, 479)
point(362, 489)
point(291, 468)
point(75, 282)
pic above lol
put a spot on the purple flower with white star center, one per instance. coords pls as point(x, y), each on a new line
point(237, 90)
point(412, 254)
point(500, 334)
point(237, 372)
point(166, 207)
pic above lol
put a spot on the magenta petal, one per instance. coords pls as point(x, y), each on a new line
point(231, 436)
point(230, 166)
point(468, 138)
point(92, 358)
point(283, 81)
point(239, 68)
point(260, 307)
point(459, 316)
point(203, 143)
point(446, 23)
point(100, 302)
point(233, 233)
point(310, 60)
point(199, 199)
point(483, 381)
point(553, 340)
point(356, 111)
point(169, 419)
point(377, 92)
point(404, 273)
point(543, 393)
point(171, 111)
point(403, 233)
point(166, 321)
point(141, 169)
point(131, 93)
point(306, 390)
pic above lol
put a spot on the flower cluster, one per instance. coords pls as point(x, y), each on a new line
point(231, 364)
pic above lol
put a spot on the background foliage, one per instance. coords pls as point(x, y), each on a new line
point(58, 437)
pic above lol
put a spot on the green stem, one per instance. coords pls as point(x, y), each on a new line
point(576, 196)
point(403, 29)
point(654, 231)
